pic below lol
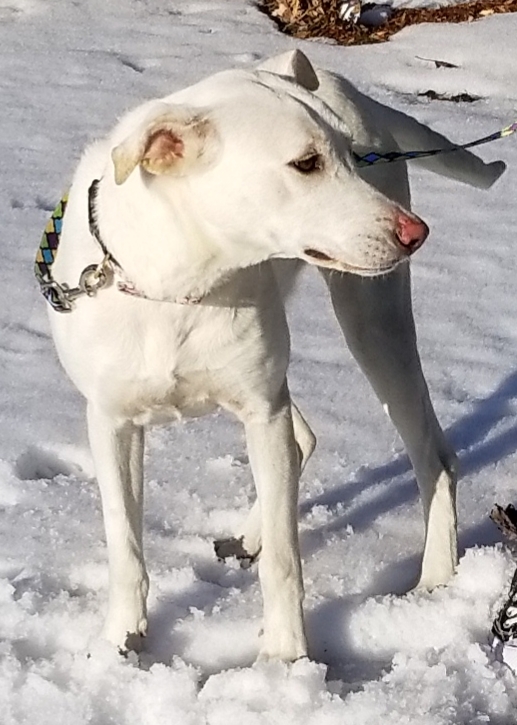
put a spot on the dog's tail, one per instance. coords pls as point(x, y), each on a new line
point(461, 165)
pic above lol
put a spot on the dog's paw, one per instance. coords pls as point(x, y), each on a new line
point(134, 643)
point(128, 638)
point(429, 583)
point(284, 651)
point(234, 548)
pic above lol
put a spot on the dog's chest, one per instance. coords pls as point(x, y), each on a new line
point(158, 398)
point(179, 365)
point(168, 374)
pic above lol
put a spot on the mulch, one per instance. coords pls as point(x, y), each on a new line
point(320, 19)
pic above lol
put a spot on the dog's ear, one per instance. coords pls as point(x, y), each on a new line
point(170, 143)
point(293, 64)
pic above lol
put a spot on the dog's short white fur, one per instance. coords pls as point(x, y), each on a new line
point(198, 192)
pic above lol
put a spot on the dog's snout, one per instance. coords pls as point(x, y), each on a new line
point(411, 232)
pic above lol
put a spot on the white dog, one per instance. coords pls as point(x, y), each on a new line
point(195, 193)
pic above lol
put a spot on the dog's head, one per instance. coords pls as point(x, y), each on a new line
point(263, 169)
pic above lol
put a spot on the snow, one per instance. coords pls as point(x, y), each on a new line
point(68, 71)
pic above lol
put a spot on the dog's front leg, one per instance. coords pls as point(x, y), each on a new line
point(274, 462)
point(377, 320)
point(117, 449)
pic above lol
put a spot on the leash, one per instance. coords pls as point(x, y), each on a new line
point(373, 157)
point(93, 277)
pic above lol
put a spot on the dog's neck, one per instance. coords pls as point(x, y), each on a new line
point(162, 246)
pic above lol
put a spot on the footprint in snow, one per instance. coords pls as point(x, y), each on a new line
point(37, 463)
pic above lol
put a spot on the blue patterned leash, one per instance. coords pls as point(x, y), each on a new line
point(373, 157)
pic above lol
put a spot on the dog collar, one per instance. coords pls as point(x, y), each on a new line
point(94, 277)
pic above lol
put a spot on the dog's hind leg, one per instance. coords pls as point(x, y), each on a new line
point(376, 317)
point(245, 544)
point(304, 437)
point(275, 467)
point(117, 449)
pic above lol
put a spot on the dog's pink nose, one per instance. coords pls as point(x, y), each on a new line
point(411, 232)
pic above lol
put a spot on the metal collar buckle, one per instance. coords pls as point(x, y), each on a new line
point(93, 278)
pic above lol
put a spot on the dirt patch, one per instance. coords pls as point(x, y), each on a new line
point(320, 18)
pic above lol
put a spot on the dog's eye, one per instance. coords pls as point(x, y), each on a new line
point(309, 164)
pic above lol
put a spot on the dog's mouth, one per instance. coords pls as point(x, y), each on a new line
point(314, 256)
point(318, 256)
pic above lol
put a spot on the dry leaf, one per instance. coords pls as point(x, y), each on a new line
point(281, 12)
point(320, 18)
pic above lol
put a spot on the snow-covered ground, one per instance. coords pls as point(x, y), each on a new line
point(422, 3)
point(68, 70)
